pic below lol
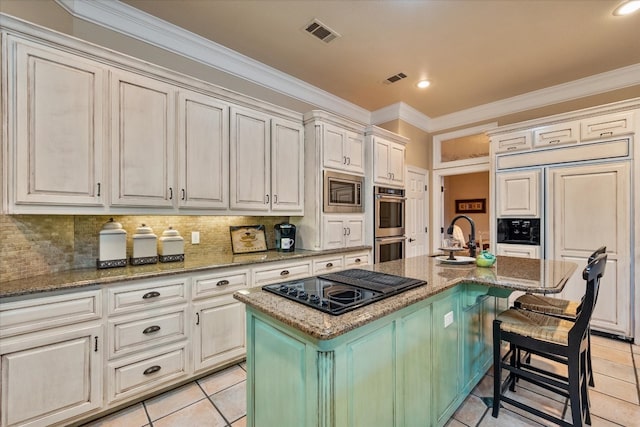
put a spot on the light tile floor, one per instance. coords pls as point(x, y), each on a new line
point(219, 400)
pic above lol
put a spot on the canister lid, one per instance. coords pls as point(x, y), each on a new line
point(144, 232)
point(170, 234)
point(112, 227)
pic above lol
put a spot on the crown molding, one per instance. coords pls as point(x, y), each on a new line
point(132, 22)
point(592, 85)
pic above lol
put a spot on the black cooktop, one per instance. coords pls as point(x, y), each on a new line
point(337, 293)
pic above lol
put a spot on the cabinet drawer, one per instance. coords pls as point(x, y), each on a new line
point(327, 265)
point(281, 272)
point(563, 133)
point(356, 260)
point(512, 142)
point(136, 376)
point(219, 283)
point(48, 312)
point(141, 331)
point(146, 294)
point(606, 126)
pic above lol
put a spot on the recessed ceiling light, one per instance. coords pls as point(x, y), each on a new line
point(627, 7)
point(423, 84)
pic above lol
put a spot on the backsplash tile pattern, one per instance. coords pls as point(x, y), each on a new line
point(31, 245)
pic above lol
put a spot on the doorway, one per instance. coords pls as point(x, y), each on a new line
point(417, 212)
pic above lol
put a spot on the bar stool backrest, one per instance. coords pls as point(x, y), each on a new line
point(592, 274)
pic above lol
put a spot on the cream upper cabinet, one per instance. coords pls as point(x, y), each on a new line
point(342, 231)
point(342, 149)
point(388, 162)
point(250, 160)
point(267, 161)
point(562, 133)
point(518, 193)
point(203, 151)
point(287, 166)
point(607, 126)
point(55, 109)
point(142, 141)
point(514, 141)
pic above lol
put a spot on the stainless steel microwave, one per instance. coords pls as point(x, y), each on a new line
point(342, 192)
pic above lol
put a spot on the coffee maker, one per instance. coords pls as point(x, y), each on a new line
point(285, 237)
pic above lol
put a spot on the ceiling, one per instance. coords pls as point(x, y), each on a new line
point(473, 51)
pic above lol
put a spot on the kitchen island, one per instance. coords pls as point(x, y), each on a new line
point(409, 359)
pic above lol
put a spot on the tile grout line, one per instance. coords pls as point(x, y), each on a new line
point(144, 406)
point(227, 423)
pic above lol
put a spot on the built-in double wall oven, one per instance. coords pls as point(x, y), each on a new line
point(389, 224)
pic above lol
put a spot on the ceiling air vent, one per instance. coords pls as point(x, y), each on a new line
point(321, 31)
point(395, 78)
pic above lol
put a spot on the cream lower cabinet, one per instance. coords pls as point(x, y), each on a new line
point(590, 206)
point(51, 359)
point(518, 193)
point(55, 113)
point(218, 319)
point(148, 336)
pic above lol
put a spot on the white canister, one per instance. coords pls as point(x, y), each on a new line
point(171, 246)
point(112, 245)
point(145, 246)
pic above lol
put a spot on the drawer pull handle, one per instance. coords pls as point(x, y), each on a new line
point(284, 272)
point(358, 260)
point(554, 141)
point(602, 134)
point(152, 370)
point(153, 294)
point(222, 283)
point(329, 265)
point(151, 329)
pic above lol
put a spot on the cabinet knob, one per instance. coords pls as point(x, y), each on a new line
point(348, 231)
point(344, 160)
point(152, 370)
point(266, 199)
point(151, 329)
point(348, 160)
point(284, 273)
point(152, 294)
point(411, 240)
point(275, 198)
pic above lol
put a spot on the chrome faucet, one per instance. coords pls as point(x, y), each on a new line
point(472, 237)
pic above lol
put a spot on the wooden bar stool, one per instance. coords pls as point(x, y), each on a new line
point(564, 309)
point(550, 337)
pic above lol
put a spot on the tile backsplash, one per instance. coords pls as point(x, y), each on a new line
point(31, 245)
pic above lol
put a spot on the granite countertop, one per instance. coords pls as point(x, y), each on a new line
point(93, 276)
point(510, 273)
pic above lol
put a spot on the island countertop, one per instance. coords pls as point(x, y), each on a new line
point(509, 273)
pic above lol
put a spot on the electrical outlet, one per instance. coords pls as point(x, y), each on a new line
point(195, 237)
point(448, 319)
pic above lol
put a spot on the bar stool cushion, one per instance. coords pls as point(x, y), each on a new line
point(548, 305)
point(536, 325)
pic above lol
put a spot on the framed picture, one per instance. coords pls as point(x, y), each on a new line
point(471, 206)
point(247, 239)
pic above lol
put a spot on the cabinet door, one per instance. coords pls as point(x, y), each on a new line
point(143, 141)
point(354, 152)
point(333, 147)
point(219, 332)
point(287, 166)
point(250, 160)
point(518, 193)
point(396, 164)
point(355, 231)
point(51, 376)
point(381, 153)
point(607, 126)
point(203, 146)
point(56, 126)
point(334, 233)
point(590, 207)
